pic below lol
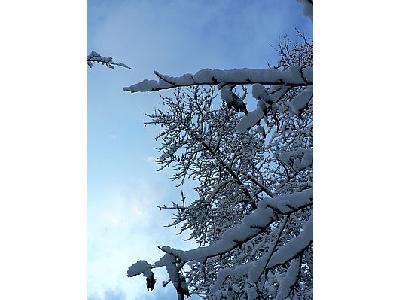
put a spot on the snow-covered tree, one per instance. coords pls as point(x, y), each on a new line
point(252, 217)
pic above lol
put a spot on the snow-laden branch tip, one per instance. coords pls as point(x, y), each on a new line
point(95, 57)
point(140, 267)
point(292, 77)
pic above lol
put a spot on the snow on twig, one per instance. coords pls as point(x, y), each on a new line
point(107, 61)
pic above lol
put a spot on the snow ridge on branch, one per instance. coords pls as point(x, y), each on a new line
point(293, 77)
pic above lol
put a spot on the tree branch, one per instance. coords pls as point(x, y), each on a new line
point(107, 61)
point(291, 77)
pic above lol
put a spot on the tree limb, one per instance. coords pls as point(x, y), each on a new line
point(291, 77)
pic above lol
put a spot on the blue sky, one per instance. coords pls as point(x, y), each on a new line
point(173, 37)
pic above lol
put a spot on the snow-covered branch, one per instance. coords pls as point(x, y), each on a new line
point(293, 77)
point(251, 225)
point(95, 57)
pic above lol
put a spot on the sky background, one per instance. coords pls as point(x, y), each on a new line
point(124, 189)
